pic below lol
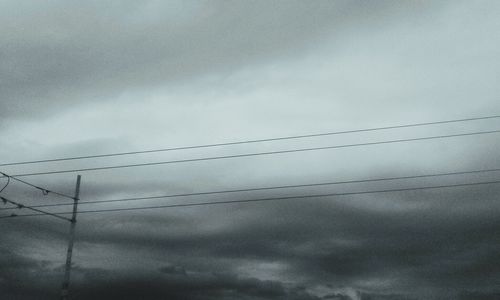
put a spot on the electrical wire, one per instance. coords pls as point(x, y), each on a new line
point(44, 190)
point(257, 154)
point(249, 141)
point(268, 199)
point(21, 206)
point(268, 188)
point(6, 185)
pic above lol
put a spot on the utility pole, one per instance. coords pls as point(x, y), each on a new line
point(67, 271)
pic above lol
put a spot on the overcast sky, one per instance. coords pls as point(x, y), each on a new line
point(95, 77)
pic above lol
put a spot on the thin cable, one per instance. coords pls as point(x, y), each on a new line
point(21, 206)
point(44, 190)
point(266, 188)
point(257, 154)
point(248, 141)
point(6, 185)
point(270, 199)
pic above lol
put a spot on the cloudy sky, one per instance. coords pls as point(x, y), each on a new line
point(97, 77)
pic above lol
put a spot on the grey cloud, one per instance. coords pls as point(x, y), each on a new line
point(333, 242)
point(368, 296)
point(432, 246)
point(200, 286)
point(101, 284)
point(472, 295)
point(337, 296)
point(173, 270)
point(58, 56)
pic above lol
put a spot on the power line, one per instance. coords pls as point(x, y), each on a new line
point(21, 206)
point(267, 188)
point(6, 185)
point(257, 154)
point(44, 190)
point(269, 199)
point(249, 141)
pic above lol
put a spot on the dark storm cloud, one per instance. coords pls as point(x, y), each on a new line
point(59, 54)
point(20, 279)
point(191, 286)
point(336, 297)
point(442, 240)
point(445, 242)
point(479, 296)
point(24, 278)
point(367, 296)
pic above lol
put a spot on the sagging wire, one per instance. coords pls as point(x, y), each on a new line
point(6, 185)
point(44, 191)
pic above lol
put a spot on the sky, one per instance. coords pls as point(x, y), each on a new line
point(97, 77)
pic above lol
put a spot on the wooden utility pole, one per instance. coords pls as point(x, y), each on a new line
point(67, 270)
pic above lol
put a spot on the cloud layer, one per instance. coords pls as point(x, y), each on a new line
point(116, 76)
